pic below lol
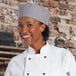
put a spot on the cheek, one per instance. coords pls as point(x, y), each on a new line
point(34, 30)
point(19, 29)
point(36, 33)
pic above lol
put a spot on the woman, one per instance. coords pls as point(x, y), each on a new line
point(40, 58)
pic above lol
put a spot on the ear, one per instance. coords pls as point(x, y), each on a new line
point(42, 27)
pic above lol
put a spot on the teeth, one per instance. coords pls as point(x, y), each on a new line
point(26, 36)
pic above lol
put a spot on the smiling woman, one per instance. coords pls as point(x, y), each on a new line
point(40, 58)
point(30, 31)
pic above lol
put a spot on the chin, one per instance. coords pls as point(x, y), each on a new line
point(27, 43)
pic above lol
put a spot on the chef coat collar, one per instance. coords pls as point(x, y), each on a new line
point(42, 50)
point(30, 50)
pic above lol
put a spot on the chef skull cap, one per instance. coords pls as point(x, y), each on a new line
point(35, 11)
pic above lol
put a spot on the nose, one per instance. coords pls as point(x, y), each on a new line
point(25, 30)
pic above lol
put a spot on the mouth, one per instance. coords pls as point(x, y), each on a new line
point(26, 36)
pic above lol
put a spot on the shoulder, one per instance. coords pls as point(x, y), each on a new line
point(15, 64)
point(57, 49)
point(17, 60)
point(65, 53)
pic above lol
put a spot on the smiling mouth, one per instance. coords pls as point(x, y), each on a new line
point(27, 36)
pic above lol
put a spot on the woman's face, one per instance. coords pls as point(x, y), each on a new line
point(30, 30)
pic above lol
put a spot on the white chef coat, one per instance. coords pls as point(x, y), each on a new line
point(52, 61)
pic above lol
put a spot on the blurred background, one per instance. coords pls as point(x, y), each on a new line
point(62, 26)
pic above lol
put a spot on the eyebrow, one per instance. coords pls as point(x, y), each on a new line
point(28, 22)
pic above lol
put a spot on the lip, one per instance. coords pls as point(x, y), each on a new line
point(27, 36)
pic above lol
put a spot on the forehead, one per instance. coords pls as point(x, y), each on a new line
point(27, 19)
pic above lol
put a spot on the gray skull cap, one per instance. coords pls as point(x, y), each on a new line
point(35, 11)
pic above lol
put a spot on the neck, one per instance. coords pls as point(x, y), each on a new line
point(37, 46)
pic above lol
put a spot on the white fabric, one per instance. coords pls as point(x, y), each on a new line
point(51, 61)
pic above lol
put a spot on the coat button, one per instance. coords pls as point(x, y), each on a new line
point(44, 73)
point(29, 58)
point(27, 74)
point(45, 56)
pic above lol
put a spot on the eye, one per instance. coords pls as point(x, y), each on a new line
point(20, 26)
point(29, 25)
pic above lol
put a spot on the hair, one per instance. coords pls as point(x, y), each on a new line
point(46, 32)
